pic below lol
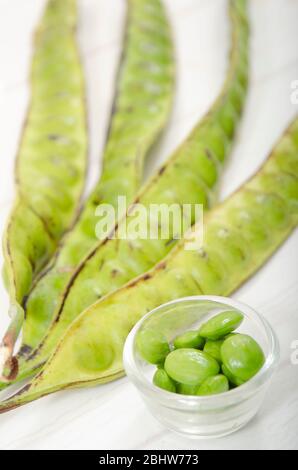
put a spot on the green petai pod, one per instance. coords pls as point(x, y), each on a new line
point(51, 163)
point(144, 94)
point(189, 177)
point(92, 346)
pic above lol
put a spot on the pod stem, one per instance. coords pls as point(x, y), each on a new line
point(8, 363)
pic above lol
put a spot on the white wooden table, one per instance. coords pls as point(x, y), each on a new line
point(113, 416)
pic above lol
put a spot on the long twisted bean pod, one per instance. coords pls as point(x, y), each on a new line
point(51, 163)
point(239, 236)
point(141, 108)
point(190, 176)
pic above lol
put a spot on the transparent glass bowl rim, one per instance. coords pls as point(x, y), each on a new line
point(141, 381)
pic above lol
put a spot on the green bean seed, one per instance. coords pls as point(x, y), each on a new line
point(190, 366)
point(190, 339)
point(221, 325)
point(231, 378)
point(184, 389)
point(162, 380)
point(153, 346)
point(213, 347)
point(214, 385)
point(242, 356)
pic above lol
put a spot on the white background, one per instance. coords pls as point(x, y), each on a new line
point(113, 416)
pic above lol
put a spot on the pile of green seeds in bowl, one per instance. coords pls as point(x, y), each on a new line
point(207, 361)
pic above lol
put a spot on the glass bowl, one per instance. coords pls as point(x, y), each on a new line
point(201, 416)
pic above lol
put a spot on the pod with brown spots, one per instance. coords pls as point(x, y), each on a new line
point(240, 235)
point(190, 176)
